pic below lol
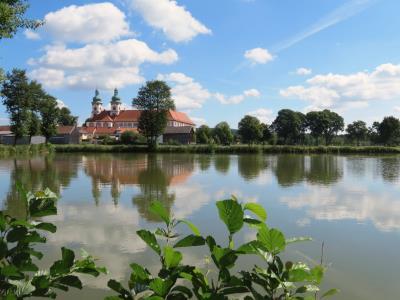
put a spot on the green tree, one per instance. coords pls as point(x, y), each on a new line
point(154, 100)
point(12, 17)
point(357, 131)
point(222, 134)
point(324, 123)
point(49, 113)
point(266, 133)
point(389, 131)
point(203, 135)
point(34, 124)
point(65, 118)
point(289, 126)
point(250, 130)
point(373, 134)
point(20, 97)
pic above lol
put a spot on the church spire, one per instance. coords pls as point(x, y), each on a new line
point(115, 98)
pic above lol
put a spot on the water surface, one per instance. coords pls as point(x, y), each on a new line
point(352, 203)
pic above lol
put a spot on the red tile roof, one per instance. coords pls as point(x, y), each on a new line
point(5, 128)
point(65, 129)
point(180, 117)
point(87, 130)
point(134, 115)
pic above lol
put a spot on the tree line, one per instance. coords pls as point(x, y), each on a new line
point(290, 127)
point(31, 110)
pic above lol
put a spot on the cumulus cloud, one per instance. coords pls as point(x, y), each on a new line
point(198, 121)
point(236, 99)
point(102, 65)
point(173, 20)
point(263, 114)
point(303, 71)
point(187, 93)
point(336, 90)
point(98, 22)
point(61, 104)
point(31, 35)
point(258, 56)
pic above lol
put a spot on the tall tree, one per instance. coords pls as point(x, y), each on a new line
point(35, 124)
point(49, 113)
point(357, 131)
point(20, 97)
point(65, 118)
point(12, 17)
point(266, 133)
point(222, 134)
point(289, 126)
point(203, 135)
point(389, 131)
point(314, 124)
point(250, 130)
point(154, 100)
point(324, 123)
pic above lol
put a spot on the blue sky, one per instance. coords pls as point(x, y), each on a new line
point(223, 59)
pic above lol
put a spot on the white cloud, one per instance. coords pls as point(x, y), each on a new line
point(187, 93)
point(303, 71)
point(336, 90)
point(61, 104)
point(102, 65)
point(175, 21)
point(198, 121)
point(252, 93)
point(31, 35)
point(263, 114)
point(258, 56)
point(99, 22)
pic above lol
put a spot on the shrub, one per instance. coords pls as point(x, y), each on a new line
point(130, 137)
point(176, 280)
point(19, 276)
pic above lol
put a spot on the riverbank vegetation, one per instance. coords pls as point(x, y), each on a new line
point(25, 150)
point(21, 278)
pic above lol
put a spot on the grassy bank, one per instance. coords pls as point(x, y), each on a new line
point(24, 150)
point(234, 149)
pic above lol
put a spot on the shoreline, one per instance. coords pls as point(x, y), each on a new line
point(233, 149)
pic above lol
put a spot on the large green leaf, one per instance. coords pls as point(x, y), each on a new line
point(192, 227)
point(161, 287)
point(330, 293)
point(46, 226)
point(190, 241)
point(150, 239)
point(16, 234)
point(273, 240)
point(231, 213)
point(257, 209)
point(172, 258)
point(117, 286)
point(157, 208)
point(71, 280)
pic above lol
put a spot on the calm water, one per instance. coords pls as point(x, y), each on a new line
point(350, 202)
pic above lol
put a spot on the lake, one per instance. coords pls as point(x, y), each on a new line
point(351, 203)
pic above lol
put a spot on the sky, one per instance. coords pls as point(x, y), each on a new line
point(223, 59)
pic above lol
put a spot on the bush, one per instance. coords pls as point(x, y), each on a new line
point(176, 280)
point(130, 137)
point(19, 276)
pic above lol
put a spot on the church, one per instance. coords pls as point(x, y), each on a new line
point(180, 128)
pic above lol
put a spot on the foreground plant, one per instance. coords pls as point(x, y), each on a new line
point(176, 280)
point(19, 275)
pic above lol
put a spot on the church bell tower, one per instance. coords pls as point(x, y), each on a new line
point(97, 104)
point(115, 104)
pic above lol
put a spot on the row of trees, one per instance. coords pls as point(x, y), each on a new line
point(295, 128)
point(32, 111)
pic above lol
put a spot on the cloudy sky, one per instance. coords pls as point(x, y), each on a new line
point(223, 59)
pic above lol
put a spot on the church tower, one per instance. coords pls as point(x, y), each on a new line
point(97, 104)
point(115, 104)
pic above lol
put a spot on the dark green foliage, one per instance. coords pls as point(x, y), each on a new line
point(12, 17)
point(65, 118)
point(324, 124)
point(49, 113)
point(19, 276)
point(222, 134)
point(154, 100)
point(203, 135)
point(389, 131)
point(177, 280)
point(266, 133)
point(289, 126)
point(250, 130)
point(130, 137)
point(357, 131)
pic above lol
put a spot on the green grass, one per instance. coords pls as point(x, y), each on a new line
point(6, 150)
point(233, 149)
